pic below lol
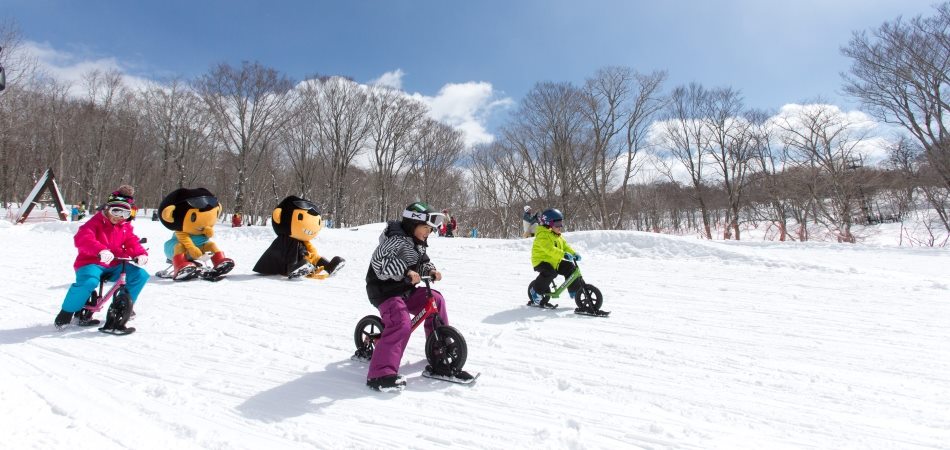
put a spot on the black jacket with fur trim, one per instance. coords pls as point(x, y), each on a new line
point(397, 253)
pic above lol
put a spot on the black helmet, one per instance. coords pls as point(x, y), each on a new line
point(421, 213)
point(549, 216)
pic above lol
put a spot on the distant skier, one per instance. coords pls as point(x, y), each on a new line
point(529, 222)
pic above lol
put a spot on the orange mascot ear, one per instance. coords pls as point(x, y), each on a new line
point(167, 214)
point(275, 216)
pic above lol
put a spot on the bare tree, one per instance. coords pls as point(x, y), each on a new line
point(250, 104)
point(393, 117)
point(769, 163)
point(731, 146)
point(495, 190)
point(339, 107)
point(302, 144)
point(183, 129)
point(618, 104)
point(431, 173)
point(825, 141)
point(900, 73)
point(684, 136)
point(547, 134)
point(104, 90)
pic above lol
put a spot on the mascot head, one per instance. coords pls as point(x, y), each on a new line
point(297, 218)
point(189, 210)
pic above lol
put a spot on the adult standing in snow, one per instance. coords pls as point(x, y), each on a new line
point(107, 235)
point(529, 222)
point(449, 225)
point(394, 270)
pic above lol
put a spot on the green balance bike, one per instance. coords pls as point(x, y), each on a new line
point(588, 298)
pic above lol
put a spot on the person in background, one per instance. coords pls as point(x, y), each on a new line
point(74, 213)
point(82, 210)
point(529, 222)
point(107, 235)
point(449, 225)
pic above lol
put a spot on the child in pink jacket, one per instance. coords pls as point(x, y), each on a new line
point(104, 237)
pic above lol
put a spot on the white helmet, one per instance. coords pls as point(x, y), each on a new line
point(527, 208)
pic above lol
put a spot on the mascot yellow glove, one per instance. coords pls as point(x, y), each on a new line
point(184, 239)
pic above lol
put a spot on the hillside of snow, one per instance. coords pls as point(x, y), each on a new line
point(709, 345)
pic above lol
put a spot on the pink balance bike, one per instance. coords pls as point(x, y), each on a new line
point(120, 310)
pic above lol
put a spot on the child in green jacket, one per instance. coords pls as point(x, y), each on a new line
point(550, 256)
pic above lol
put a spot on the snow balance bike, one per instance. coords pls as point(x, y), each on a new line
point(200, 268)
point(445, 347)
point(588, 298)
point(120, 310)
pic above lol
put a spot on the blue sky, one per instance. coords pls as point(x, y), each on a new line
point(774, 52)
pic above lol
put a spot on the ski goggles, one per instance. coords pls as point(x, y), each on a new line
point(433, 220)
point(308, 206)
point(557, 224)
point(120, 212)
point(203, 203)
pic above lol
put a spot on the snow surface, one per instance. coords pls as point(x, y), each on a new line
point(709, 345)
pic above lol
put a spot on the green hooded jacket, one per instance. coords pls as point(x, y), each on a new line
point(548, 247)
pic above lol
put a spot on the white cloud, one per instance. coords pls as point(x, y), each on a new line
point(390, 79)
point(466, 107)
point(463, 106)
point(873, 147)
point(69, 67)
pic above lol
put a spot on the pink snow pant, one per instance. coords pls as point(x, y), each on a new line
point(396, 313)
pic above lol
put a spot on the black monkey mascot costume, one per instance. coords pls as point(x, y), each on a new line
point(296, 221)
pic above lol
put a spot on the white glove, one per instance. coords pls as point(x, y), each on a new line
point(106, 256)
point(141, 260)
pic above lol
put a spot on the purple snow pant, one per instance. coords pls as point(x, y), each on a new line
point(396, 313)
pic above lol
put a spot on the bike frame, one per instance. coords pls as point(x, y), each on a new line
point(119, 284)
point(567, 282)
point(429, 309)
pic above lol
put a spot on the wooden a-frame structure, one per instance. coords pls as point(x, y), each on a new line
point(46, 182)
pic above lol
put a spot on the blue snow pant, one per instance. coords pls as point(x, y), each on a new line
point(397, 323)
point(87, 280)
point(169, 247)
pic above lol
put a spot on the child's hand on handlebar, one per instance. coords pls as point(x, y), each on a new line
point(414, 277)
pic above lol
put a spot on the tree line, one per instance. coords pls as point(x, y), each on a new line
point(622, 150)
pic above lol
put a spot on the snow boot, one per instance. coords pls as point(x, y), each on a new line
point(84, 316)
point(184, 269)
point(388, 383)
point(221, 264)
point(62, 319)
point(332, 265)
point(535, 297)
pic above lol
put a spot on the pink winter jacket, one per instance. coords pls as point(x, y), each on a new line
point(99, 234)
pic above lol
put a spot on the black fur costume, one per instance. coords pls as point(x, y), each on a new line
point(291, 249)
